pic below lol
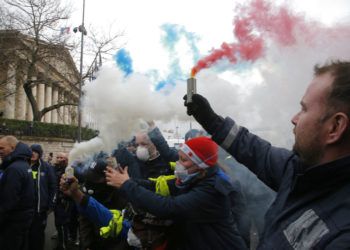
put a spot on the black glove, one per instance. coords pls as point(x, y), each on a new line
point(203, 113)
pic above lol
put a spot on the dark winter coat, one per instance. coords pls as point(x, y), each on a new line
point(161, 164)
point(155, 167)
point(16, 197)
point(125, 158)
point(202, 213)
point(64, 206)
point(167, 153)
point(312, 207)
point(240, 214)
point(45, 186)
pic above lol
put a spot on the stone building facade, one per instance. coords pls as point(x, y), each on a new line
point(55, 79)
point(50, 145)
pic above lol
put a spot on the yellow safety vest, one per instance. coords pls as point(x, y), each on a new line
point(114, 227)
point(172, 165)
point(162, 184)
point(34, 174)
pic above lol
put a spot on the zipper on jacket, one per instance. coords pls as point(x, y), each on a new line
point(39, 174)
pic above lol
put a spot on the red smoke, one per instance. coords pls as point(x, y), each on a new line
point(253, 25)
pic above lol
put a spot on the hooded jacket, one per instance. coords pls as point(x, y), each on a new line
point(44, 182)
point(63, 204)
point(16, 193)
point(312, 206)
point(45, 185)
point(169, 154)
point(37, 148)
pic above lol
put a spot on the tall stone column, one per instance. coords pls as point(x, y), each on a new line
point(66, 109)
point(41, 96)
point(76, 115)
point(61, 109)
point(73, 115)
point(54, 115)
point(70, 109)
point(48, 102)
point(10, 99)
point(21, 98)
point(29, 114)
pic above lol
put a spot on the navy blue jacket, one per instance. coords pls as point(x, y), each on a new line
point(167, 153)
point(312, 206)
point(154, 168)
point(16, 191)
point(241, 217)
point(64, 205)
point(45, 186)
point(202, 213)
point(125, 158)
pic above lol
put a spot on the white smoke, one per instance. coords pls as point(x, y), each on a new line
point(262, 98)
point(287, 72)
point(85, 149)
point(118, 104)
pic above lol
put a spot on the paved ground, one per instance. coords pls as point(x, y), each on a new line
point(50, 244)
point(50, 229)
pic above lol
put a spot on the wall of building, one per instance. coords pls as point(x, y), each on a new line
point(53, 83)
point(54, 145)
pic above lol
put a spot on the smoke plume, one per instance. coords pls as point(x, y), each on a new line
point(278, 49)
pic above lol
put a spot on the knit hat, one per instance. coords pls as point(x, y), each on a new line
point(203, 151)
point(37, 148)
point(95, 171)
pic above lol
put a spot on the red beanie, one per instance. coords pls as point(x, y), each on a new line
point(203, 151)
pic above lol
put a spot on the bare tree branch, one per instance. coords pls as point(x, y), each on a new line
point(41, 20)
point(101, 43)
point(56, 106)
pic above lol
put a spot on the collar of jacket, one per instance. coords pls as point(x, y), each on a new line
point(330, 174)
point(211, 171)
point(37, 165)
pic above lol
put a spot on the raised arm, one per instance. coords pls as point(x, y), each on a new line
point(169, 154)
point(267, 162)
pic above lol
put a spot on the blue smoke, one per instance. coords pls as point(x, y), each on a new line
point(172, 35)
point(124, 61)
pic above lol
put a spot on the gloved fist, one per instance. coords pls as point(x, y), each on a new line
point(202, 112)
point(69, 188)
point(198, 104)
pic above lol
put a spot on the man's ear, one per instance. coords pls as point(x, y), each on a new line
point(339, 124)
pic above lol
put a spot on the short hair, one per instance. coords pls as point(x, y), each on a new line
point(339, 95)
point(11, 140)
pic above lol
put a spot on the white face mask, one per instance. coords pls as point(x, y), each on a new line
point(142, 153)
point(182, 174)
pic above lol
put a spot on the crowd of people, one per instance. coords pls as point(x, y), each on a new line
point(29, 193)
point(146, 195)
